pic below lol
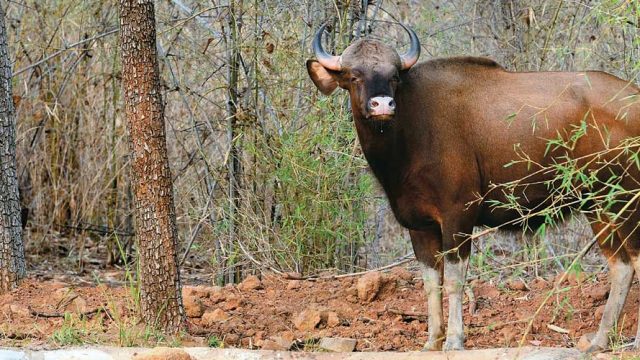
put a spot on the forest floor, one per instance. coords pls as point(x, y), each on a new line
point(277, 313)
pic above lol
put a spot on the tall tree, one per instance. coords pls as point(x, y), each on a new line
point(12, 265)
point(160, 297)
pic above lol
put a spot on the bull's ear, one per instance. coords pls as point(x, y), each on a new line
point(325, 80)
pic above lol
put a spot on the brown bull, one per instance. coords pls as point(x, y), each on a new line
point(438, 134)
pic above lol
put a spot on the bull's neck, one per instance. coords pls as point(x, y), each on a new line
point(381, 148)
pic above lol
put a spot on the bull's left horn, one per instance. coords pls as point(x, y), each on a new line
point(329, 61)
point(411, 56)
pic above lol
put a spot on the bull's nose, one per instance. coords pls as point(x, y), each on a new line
point(382, 105)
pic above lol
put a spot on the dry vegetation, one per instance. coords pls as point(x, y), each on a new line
point(267, 172)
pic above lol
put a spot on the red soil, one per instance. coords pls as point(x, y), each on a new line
point(262, 317)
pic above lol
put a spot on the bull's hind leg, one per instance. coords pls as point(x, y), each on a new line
point(620, 277)
point(426, 246)
point(629, 233)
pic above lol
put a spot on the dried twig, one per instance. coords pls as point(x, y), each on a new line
point(57, 53)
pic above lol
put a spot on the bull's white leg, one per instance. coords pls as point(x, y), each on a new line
point(431, 279)
point(636, 266)
point(620, 276)
point(454, 281)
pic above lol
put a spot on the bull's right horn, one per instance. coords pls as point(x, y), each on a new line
point(329, 61)
point(412, 55)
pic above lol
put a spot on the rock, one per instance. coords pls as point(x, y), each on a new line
point(20, 310)
point(338, 344)
point(293, 276)
point(389, 285)
point(216, 294)
point(487, 291)
point(539, 284)
point(250, 283)
point(598, 313)
point(403, 274)
point(597, 292)
point(293, 284)
point(330, 318)
point(231, 339)
point(232, 302)
point(585, 342)
point(164, 353)
point(211, 317)
point(78, 305)
point(307, 320)
point(282, 342)
point(276, 343)
point(517, 285)
point(351, 291)
point(369, 285)
point(193, 307)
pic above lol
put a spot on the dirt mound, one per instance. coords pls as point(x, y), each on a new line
point(275, 312)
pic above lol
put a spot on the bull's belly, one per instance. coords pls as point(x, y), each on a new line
point(512, 219)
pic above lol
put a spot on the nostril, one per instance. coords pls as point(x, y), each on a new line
point(374, 104)
point(392, 104)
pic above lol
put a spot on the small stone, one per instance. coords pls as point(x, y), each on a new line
point(232, 302)
point(585, 341)
point(216, 294)
point(539, 284)
point(211, 317)
point(388, 287)
point(338, 344)
point(597, 292)
point(331, 319)
point(293, 284)
point(403, 274)
point(369, 285)
point(487, 291)
point(293, 276)
point(164, 353)
point(599, 311)
point(250, 283)
point(231, 339)
point(78, 305)
point(517, 285)
point(19, 310)
point(307, 320)
point(275, 343)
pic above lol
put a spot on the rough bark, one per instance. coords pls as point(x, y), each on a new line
point(12, 264)
point(160, 297)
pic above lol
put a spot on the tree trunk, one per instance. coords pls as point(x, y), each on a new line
point(12, 265)
point(234, 165)
point(160, 296)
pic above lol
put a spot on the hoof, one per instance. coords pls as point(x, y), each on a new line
point(590, 344)
point(432, 346)
point(453, 345)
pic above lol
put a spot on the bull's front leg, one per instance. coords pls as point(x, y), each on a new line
point(457, 248)
point(454, 282)
point(426, 246)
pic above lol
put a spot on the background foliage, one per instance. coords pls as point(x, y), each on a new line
point(303, 199)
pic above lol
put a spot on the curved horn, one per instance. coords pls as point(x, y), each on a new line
point(329, 61)
point(411, 57)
